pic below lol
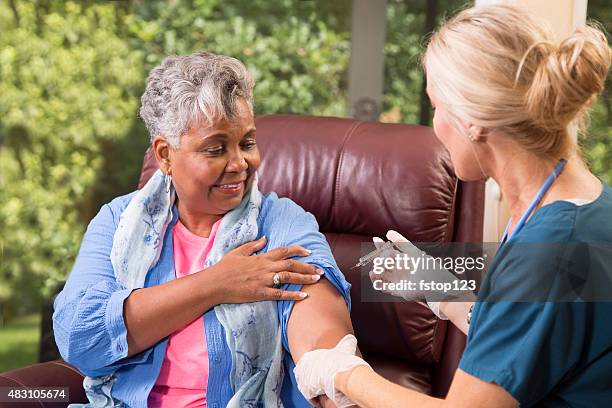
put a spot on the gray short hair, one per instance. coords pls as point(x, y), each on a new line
point(187, 89)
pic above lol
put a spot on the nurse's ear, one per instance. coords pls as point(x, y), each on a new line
point(473, 132)
point(476, 133)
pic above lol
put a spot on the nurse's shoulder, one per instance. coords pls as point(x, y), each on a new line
point(554, 253)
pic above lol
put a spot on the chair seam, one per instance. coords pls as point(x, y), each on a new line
point(347, 136)
point(450, 227)
point(68, 367)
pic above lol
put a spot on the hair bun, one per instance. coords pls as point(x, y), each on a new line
point(568, 79)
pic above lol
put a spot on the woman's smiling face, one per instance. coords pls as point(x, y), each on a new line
point(215, 165)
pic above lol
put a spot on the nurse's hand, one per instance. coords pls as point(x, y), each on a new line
point(316, 370)
point(391, 277)
point(387, 278)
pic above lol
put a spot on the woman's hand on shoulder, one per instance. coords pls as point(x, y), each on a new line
point(243, 277)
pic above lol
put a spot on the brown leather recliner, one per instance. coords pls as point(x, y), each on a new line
point(359, 179)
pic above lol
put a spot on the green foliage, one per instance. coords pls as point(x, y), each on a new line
point(405, 42)
point(298, 61)
point(69, 85)
point(403, 76)
point(598, 143)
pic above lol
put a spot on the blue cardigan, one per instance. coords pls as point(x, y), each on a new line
point(88, 322)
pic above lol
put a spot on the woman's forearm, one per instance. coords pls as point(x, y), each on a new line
point(457, 313)
point(153, 313)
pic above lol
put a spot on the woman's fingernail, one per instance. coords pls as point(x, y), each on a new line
point(308, 251)
point(315, 277)
point(319, 271)
point(263, 238)
point(303, 295)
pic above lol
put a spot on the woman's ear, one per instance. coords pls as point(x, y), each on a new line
point(161, 149)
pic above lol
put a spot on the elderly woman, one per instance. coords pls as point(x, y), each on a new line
point(509, 100)
point(189, 292)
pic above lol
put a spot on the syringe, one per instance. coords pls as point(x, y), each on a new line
point(367, 258)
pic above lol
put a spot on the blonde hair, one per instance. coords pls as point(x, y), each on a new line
point(499, 68)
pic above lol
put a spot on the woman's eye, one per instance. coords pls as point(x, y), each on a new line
point(249, 145)
point(215, 151)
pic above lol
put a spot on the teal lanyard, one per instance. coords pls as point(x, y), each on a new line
point(536, 200)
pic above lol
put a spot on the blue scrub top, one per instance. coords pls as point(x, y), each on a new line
point(535, 330)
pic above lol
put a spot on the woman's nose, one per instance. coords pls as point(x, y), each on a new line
point(237, 162)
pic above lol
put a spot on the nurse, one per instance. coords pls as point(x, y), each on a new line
point(509, 104)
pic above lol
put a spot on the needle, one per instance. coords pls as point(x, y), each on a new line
point(367, 258)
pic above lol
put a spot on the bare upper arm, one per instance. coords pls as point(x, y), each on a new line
point(319, 321)
point(469, 391)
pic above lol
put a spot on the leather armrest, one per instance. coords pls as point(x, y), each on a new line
point(56, 373)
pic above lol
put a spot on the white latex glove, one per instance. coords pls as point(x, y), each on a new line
point(440, 275)
point(316, 370)
point(435, 308)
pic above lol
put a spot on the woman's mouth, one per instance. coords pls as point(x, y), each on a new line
point(230, 188)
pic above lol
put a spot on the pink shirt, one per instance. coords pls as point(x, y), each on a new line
point(184, 372)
